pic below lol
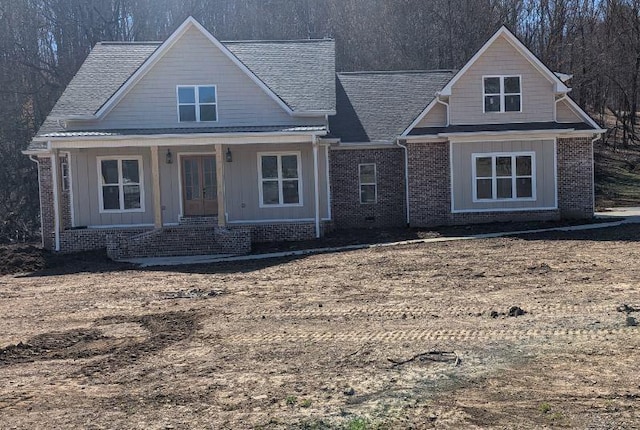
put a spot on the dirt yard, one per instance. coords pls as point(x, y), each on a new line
point(416, 336)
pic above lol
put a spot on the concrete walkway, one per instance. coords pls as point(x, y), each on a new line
point(617, 217)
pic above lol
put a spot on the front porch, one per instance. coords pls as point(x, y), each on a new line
point(186, 196)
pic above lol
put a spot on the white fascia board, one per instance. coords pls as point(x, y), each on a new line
point(511, 38)
point(421, 116)
point(180, 140)
point(164, 48)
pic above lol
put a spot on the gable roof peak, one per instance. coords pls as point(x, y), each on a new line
point(188, 23)
point(504, 32)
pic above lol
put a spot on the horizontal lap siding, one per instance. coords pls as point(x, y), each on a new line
point(501, 58)
point(437, 117)
point(566, 114)
point(463, 181)
point(194, 60)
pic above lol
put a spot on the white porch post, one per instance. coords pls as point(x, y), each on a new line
point(316, 185)
point(155, 180)
point(57, 194)
point(222, 219)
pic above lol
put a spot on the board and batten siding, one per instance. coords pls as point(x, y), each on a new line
point(241, 185)
point(436, 117)
point(194, 60)
point(501, 58)
point(86, 189)
point(463, 181)
point(242, 182)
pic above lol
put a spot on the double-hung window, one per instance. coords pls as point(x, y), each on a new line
point(502, 94)
point(121, 184)
point(280, 181)
point(197, 103)
point(368, 183)
point(501, 176)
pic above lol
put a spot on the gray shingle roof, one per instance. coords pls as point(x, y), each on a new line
point(301, 73)
point(106, 68)
point(526, 126)
point(379, 106)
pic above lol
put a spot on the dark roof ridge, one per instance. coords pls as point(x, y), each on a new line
point(396, 72)
point(326, 39)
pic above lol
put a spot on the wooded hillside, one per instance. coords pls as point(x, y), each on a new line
point(44, 42)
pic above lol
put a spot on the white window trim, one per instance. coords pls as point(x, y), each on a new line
point(197, 103)
point(494, 181)
point(279, 154)
point(375, 183)
point(66, 179)
point(502, 94)
point(119, 158)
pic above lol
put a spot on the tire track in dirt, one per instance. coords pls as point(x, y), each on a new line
point(418, 335)
point(421, 312)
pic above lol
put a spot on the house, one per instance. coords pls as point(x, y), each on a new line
point(195, 146)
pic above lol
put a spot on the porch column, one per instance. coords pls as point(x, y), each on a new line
point(222, 219)
point(57, 197)
point(155, 180)
point(316, 185)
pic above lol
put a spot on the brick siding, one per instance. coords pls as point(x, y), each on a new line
point(429, 184)
point(285, 232)
point(180, 240)
point(575, 178)
point(93, 238)
point(389, 210)
point(46, 202)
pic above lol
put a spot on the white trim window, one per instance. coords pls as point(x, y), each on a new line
point(120, 184)
point(502, 93)
point(64, 172)
point(367, 176)
point(197, 103)
point(504, 176)
point(279, 179)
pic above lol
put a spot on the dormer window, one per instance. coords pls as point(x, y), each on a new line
point(197, 103)
point(502, 94)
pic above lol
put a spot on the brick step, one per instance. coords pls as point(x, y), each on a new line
point(199, 220)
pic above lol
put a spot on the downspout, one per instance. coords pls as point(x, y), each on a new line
point(446, 105)
point(35, 160)
point(555, 107)
point(406, 179)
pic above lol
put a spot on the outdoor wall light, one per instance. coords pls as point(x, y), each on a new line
point(228, 155)
point(169, 157)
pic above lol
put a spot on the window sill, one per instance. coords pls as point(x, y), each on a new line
point(121, 211)
point(294, 205)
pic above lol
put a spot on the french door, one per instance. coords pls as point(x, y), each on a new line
point(199, 185)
